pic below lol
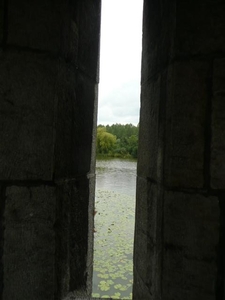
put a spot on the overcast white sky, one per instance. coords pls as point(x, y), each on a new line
point(120, 62)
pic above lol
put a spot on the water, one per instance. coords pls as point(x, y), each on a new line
point(118, 175)
point(114, 226)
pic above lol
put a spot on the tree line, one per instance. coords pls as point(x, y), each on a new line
point(117, 140)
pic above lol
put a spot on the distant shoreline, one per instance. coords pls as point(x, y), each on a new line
point(107, 157)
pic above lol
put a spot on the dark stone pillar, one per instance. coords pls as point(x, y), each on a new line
point(48, 98)
point(179, 234)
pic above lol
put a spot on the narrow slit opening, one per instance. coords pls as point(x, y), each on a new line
point(117, 140)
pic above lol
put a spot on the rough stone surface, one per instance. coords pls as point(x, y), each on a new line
point(48, 95)
point(62, 226)
point(29, 27)
point(147, 248)
point(149, 123)
point(191, 236)
point(74, 127)
point(2, 208)
point(185, 127)
point(89, 32)
point(199, 33)
point(145, 264)
point(72, 235)
point(179, 229)
point(146, 208)
point(78, 238)
point(48, 115)
point(1, 21)
point(141, 291)
point(218, 126)
point(27, 95)
point(158, 37)
point(90, 253)
point(29, 243)
point(94, 133)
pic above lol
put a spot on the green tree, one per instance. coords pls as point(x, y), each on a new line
point(126, 136)
point(133, 145)
point(105, 141)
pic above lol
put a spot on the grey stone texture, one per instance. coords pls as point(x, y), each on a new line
point(218, 126)
point(159, 23)
point(199, 33)
point(49, 58)
point(149, 139)
point(27, 116)
point(1, 20)
point(88, 19)
point(179, 228)
point(36, 25)
point(71, 235)
point(29, 243)
point(185, 124)
point(74, 123)
point(2, 208)
point(191, 236)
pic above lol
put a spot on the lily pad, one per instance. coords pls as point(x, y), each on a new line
point(113, 245)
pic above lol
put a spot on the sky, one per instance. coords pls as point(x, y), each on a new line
point(120, 62)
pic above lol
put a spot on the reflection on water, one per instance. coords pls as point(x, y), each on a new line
point(116, 175)
point(114, 225)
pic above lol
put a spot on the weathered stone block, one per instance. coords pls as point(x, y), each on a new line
point(27, 96)
point(219, 76)
point(146, 207)
point(29, 243)
point(36, 25)
point(1, 21)
point(149, 127)
point(218, 143)
point(140, 290)
point(218, 126)
point(185, 125)
point(147, 247)
point(145, 260)
point(89, 35)
point(72, 237)
point(158, 37)
point(2, 207)
point(190, 221)
point(199, 27)
point(90, 235)
point(186, 279)
point(76, 111)
point(191, 237)
point(71, 29)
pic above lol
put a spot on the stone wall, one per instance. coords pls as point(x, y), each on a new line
point(48, 97)
point(49, 52)
point(179, 234)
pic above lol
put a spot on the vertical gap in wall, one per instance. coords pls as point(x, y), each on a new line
point(117, 140)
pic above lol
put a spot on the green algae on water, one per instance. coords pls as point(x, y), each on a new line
point(113, 245)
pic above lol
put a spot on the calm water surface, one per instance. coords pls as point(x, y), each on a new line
point(114, 225)
point(118, 175)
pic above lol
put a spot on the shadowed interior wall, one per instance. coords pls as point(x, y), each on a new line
point(49, 56)
point(48, 97)
point(179, 234)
